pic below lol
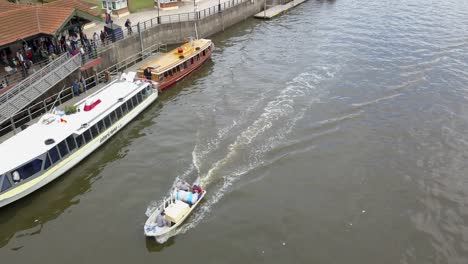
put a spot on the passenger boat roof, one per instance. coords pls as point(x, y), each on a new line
point(171, 59)
point(30, 143)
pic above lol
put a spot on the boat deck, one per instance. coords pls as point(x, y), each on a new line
point(278, 9)
point(143, 63)
point(168, 60)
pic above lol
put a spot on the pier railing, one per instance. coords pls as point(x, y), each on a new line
point(21, 119)
point(168, 19)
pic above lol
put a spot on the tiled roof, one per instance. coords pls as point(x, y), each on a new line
point(7, 6)
point(77, 4)
point(23, 21)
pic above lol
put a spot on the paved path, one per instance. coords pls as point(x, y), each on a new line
point(184, 7)
point(278, 9)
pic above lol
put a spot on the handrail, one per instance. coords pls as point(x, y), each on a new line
point(33, 78)
point(27, 115)
point(150, 23)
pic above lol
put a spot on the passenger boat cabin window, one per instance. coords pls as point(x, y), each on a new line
point(79, 140)
point(178, 68)
point(107, 121)
point(203, 52)
point(29, 169)
point(124, 108)
point(185, 64)
point(47, 162)
point(129, 105)
point(62, 146)
point(197, 57)
point(54, 155)
point(191, 60)
point(101, 127)
point(135, 100)
point(5, 183)
point(94, 131)
point(118, 111)
point(139, 96)
point(71, 143)
point(87, 136)
point(113, 117)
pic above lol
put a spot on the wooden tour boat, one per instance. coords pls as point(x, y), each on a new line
point(178, 63)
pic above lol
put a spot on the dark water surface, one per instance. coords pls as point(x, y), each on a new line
point(336, 133)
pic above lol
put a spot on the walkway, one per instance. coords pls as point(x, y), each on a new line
point(184, 7)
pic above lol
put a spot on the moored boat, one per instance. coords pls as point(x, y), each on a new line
point(176, 208)
point(178, 63)
point(48, 148)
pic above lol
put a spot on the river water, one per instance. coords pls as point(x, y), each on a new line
point(335, 133)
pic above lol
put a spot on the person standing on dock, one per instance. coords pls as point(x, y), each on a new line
point(128, 25)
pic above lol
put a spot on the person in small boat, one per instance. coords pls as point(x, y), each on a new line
point(183, 186)
point(161, 221)
point(197, 189)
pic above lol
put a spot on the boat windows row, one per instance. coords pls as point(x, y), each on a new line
point(71, 143)
point(182, 66)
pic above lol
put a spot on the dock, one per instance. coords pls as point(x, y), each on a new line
point(278, 9)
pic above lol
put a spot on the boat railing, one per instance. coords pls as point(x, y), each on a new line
point(23, 118)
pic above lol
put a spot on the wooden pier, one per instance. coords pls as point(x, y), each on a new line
point(278, 9)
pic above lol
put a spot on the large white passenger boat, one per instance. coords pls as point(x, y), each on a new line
point(57, 142)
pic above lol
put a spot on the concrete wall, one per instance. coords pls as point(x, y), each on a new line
point(174, 33)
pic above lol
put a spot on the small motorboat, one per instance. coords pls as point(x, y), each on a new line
point(177, 207)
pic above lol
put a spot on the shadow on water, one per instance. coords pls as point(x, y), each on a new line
point(27, 216)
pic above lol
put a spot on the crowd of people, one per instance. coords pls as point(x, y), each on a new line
point(45, 49)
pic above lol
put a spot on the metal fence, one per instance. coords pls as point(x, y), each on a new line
point(99, 45)
point(168, 19)
point(33, 78)
point(19, 120)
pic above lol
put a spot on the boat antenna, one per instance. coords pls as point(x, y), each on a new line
point(56, 99)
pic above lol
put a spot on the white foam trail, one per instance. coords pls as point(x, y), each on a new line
point(199, 153)
point(376, 100)
point(282, 106)
point(282, 113)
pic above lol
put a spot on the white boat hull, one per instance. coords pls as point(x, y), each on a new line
point(63, 166)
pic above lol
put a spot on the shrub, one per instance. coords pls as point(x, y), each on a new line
point(70, 109)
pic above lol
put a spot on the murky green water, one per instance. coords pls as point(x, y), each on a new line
point(335, 133)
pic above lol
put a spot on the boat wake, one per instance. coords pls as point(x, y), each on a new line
point(248, 147)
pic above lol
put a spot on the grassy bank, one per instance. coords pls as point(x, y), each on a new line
point(135, 5)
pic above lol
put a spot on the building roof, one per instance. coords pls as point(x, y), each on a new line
point(19, 21)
